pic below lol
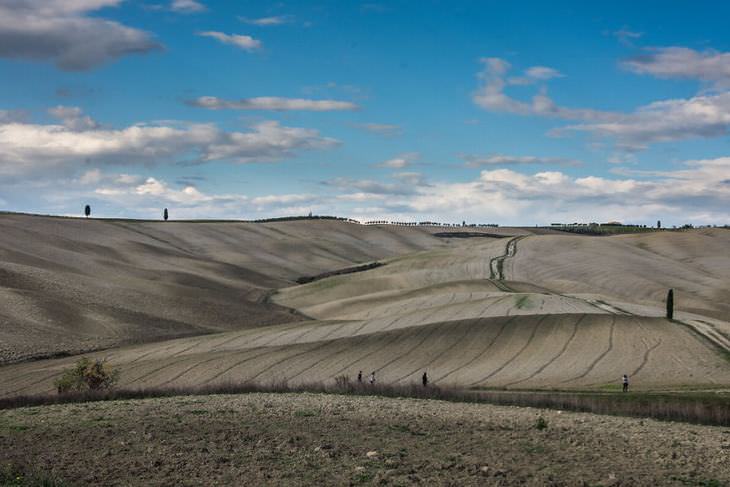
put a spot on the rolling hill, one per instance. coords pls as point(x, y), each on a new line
point(527, 311)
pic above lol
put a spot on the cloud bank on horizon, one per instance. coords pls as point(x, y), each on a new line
point(224, 111)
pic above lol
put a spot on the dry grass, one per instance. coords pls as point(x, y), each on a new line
point(690, 407)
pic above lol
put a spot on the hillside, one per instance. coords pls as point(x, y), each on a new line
point(526, 311)
point(70, 285)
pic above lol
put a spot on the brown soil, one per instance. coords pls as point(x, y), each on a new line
point(307, 439)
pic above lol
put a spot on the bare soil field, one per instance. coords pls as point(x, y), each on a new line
point(71, 285)
point(447, 310)
point(318, 439)
point(634, 268)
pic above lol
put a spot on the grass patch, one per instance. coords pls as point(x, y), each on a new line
point(14, 475)
point(523, 302)
point(306, 413)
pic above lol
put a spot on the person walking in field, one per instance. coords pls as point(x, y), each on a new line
point(625, 382)
point(359, 377)
point(424, 379)
point(372, 378)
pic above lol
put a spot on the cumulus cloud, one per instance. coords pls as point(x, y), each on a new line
point(491, 94)
point(27, 148)
point(683, 63)
point(267, 21)
point(369, 186)
point(695, 193)
point(73, 118)
point(247, 43)
point(384, 129)
point(507, 160)
point(400, 161)
point(62, 32)
point(271, 103)
point(187, 6)
point(662, 121)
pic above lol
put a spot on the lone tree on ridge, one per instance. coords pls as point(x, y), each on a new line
point(87, 211)
point(164, 214)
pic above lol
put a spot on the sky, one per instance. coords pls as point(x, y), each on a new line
point(522, 113)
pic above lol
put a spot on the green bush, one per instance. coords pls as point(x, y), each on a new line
point(541, 423)
point(87, 375)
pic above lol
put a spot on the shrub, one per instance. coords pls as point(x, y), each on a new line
point(541, 423)
point(87, 375)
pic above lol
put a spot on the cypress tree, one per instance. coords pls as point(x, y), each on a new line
point(164, 214)
point(87, 211)
point(670, 304)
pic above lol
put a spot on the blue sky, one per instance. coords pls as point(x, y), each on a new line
point(514, 113)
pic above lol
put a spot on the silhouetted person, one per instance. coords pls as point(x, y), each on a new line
point(372, 378)
point(359, 377)
point(424, 379)
point(625, 382)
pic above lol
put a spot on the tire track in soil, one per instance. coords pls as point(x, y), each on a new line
point(289, 357)
point(237, 364)
point(185, 371)
point(396, 336)
point(600, 357)
point(556, 357)
point(438, 355)
point(187, 358)
point(410, 350)
point(512, 359)
point(348, 347)
point(645, 359)
point(478, 356)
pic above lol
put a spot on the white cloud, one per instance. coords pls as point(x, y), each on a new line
point(272, 103)
point(384, 129)
point(698, 192)
point(187, 6)
point(244, 42)
point(491, 96)
point(73, 118)
point(542, 73)
point(626, 36)
point(62, 32)
point(370, 187)
point(683, 63)
point(27, 149)
point(506, 160)
point(400, 161)
point(662, 121)
point(267, 21)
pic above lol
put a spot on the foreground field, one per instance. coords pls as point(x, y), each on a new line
point(273, 439)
